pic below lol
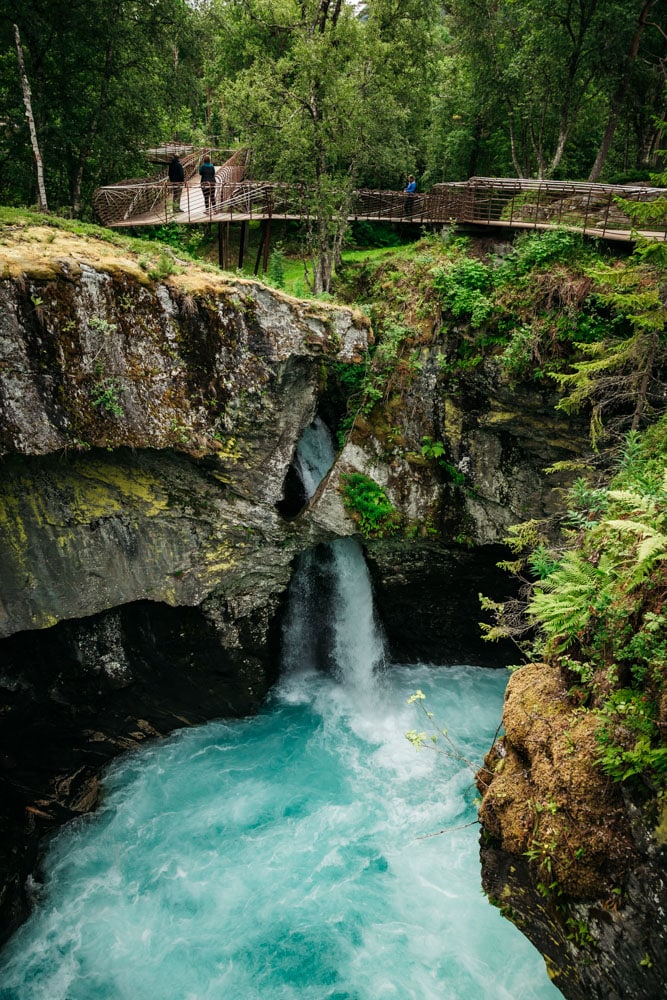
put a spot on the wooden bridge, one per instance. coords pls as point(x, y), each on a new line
point(592, 209)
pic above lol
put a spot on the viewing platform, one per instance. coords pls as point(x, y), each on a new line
point(493, 202)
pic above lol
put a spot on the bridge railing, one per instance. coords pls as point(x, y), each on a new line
point(590, 208)
point(143, 201)
point(489, 201)
point(277, 200)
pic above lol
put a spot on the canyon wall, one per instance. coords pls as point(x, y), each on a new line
point(149, 416)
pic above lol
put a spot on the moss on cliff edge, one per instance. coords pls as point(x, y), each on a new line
point(545, 799)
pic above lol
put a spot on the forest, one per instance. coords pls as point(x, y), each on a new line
point(336, 94)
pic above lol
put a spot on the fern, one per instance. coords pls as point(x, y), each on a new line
point(562, 603)
point(651, 550)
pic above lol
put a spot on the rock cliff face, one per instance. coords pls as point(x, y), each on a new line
point(147, 425)
point(456, 504)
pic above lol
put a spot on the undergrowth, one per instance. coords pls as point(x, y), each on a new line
point(597, 604)
point(368, 504)
point(553, 308)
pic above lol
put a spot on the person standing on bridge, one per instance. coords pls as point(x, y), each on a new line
point(207, 174)
point(410, 192)
point(176, 179)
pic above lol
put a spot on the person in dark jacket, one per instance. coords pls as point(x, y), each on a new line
point(176, 179)
point(207, 174)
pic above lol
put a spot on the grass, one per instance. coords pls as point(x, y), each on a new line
point(151, 249)
point(134, 244)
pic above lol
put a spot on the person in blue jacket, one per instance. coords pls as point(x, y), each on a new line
point(207, 174)
point(409, 190)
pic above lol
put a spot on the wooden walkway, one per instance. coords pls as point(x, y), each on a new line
point(491, 202)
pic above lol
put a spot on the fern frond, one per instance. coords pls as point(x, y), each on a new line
point(568, 465)
point(652, 548)
point(651, 551)
point(638, 501)
point(561, 603)
point(631, 527)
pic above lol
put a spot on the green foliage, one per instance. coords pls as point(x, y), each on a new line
point(164, 268)
point(435, 451)
point(190, 240)
point(373, 234)
point(463, 287)
point(366, 384)
point(598, 606)
point(540, 250)
point(101, 325)
point(107, 80)
point(629, 739)
point(620, 377)
point(105, 396)
point(542, 562)
point(432, 449)
point(562, 603)
point(578, 932)
point(325, 98)
point(532, 90)
point(369, 506)
point(649, 215)
point(276, 267)
point(521, 352)
point(586, 504)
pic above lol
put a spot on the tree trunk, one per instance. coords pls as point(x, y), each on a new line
point(560, 149)
point(642, 392)
point(619, 93)
point(515, 158)
point(27, 100)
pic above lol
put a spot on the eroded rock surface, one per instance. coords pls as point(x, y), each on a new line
point(147, 425)
point(576, 861)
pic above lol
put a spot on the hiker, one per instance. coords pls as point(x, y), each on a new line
point(409, 190)
point(207, 174)
point(176, 179)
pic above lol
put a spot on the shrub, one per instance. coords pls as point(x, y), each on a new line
point(105, 396)
point(276, 267)
point(463, 287)
point(555, 246)
point(369, 506)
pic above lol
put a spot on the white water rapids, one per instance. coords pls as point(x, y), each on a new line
point(280, 857)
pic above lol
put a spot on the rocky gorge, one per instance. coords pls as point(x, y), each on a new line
point(150, 411)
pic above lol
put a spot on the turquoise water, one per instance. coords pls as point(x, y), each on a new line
point(280, 857)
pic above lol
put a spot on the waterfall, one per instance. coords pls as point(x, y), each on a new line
point(330, 623)
point(314, 455)
point(358, 647)
point(281, 855)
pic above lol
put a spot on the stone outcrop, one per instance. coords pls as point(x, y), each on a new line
point(174, 408)
point(576, 861)
point(149, 413)
point(455, 505)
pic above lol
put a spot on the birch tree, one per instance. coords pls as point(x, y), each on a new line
point(27, 100)
point(326, 98)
